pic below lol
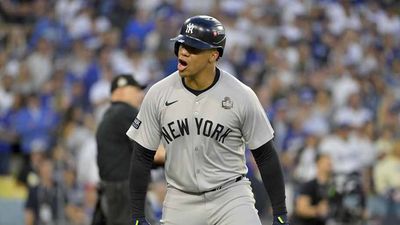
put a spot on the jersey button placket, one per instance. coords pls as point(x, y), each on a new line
point(196, 166)
point(197, 150)
point(196, 107)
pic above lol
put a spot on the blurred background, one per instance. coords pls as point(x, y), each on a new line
point(326, 71)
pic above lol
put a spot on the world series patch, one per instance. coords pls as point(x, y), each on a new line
point(227, 103)
point(136, 123)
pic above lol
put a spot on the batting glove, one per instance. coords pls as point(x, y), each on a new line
point(280, 220)
point(140, 221)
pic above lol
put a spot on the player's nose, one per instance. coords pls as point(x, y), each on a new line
point(183, 51)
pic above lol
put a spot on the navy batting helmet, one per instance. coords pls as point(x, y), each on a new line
point(201, 32)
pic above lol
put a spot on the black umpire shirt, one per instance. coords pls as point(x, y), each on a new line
point(114, 147)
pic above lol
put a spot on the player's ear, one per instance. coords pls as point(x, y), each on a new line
point(214, 56)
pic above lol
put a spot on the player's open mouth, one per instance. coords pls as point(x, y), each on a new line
point(182, 65)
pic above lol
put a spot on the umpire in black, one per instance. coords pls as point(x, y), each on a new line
point(115, 148)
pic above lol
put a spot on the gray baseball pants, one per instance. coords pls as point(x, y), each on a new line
point(233, 204)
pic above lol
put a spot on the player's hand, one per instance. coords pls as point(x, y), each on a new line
point(140, 221)
point(280, 220)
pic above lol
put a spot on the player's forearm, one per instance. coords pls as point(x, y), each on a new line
point(270, 169)
point(139, 178)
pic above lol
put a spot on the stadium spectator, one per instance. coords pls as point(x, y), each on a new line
point(42, 205)
point(312, 203)
point(387, 187)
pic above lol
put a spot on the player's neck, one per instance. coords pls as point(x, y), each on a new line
point(202, 80)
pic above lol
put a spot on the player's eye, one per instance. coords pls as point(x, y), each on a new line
point(191, 50)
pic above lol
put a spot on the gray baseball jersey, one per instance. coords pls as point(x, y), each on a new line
point(205, 135)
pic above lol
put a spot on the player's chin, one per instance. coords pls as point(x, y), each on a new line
point(183, 73)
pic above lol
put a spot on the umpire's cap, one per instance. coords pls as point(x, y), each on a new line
point(201, 32)
point(125, 80)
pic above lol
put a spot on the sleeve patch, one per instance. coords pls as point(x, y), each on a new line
point(136, 123)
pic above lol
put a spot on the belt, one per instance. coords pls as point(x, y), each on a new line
point(239, 178)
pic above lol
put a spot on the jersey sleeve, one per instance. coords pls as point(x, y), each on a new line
point(145, 128)
point(256, 128)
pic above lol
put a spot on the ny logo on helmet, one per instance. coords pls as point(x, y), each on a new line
point(189, 28)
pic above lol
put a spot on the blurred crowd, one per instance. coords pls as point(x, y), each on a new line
point(326, 71)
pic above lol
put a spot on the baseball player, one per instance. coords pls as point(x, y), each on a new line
point(204, 117)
